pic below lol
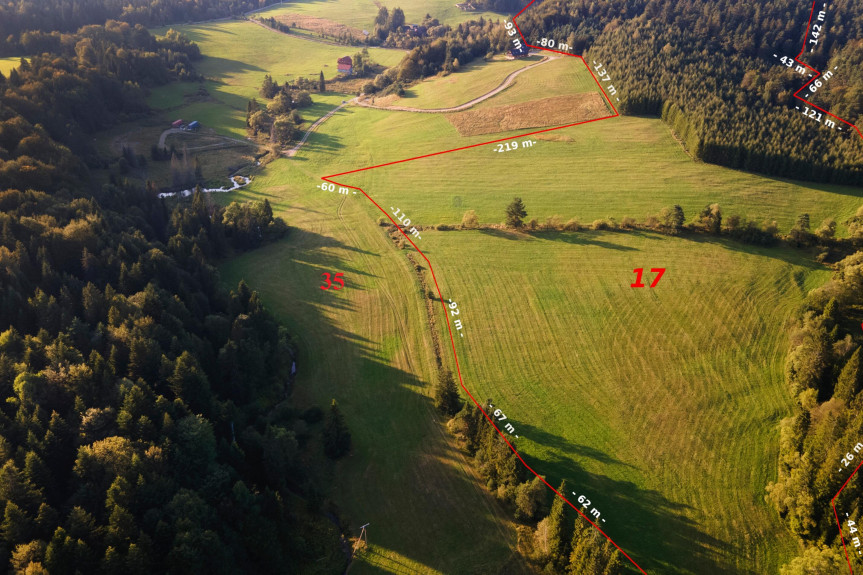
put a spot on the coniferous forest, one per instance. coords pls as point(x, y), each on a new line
point(708, 68)
point(146, 425)
point(24, 23)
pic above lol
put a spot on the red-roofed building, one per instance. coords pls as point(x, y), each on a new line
point(346, 65)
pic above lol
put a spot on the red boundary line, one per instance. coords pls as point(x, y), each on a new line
point(440, 295)
point(817, 75)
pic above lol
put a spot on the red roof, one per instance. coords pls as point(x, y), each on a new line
point(346, 60)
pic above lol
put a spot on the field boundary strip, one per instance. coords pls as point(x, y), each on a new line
point(434, 277)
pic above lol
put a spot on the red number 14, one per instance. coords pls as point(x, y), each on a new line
point(639, 271)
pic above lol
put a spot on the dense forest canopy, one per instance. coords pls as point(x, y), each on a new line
point(21, 20)
point(708, 67)
point(144, 426)
point(824, 372)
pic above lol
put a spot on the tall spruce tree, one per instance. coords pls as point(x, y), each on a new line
point(322, 84)
point(337, 438)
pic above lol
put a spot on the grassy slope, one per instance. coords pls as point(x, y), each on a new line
point(361, 13)
point(473, 80)
point(706, 381)
point(237, 56)
point(613, 168)
point(7, 64)
point(559, 77)
point(367, 347)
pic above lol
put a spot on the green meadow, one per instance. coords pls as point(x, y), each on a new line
point(472, 81)
point(361, 13)
point(659, 404)
point(238, 55)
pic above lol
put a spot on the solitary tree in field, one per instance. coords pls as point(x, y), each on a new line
point(515, 213)
point(322, 85)
point(446, 398)
point(337, 438)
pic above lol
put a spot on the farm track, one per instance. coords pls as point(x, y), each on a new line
point(293, 151)
point(503, 86)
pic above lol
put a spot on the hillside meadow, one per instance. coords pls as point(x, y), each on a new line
point(639, 397)
point(237, 56)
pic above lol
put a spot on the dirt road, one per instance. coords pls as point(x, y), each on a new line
point(504, 85)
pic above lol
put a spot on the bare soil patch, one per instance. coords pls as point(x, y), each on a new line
point(555, 111)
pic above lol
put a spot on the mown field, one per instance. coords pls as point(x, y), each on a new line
point(639, 397)
point(367, 347)
point(613, 168)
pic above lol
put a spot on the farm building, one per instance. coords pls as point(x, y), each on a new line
point(521, 52)
point(177, 124)
point(466, 6)
point(346, 65)
point(194, 125)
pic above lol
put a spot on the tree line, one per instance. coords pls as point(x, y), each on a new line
point(146, 425)
point(708, 68)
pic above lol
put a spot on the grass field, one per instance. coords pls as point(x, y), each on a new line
point(471, 81)
point(361, 13)
point(366, 347)
point(238, 55)
point(639, 397)
point(559, 77)
point(613, 168)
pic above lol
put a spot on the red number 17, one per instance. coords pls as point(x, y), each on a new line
point(639, 271)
